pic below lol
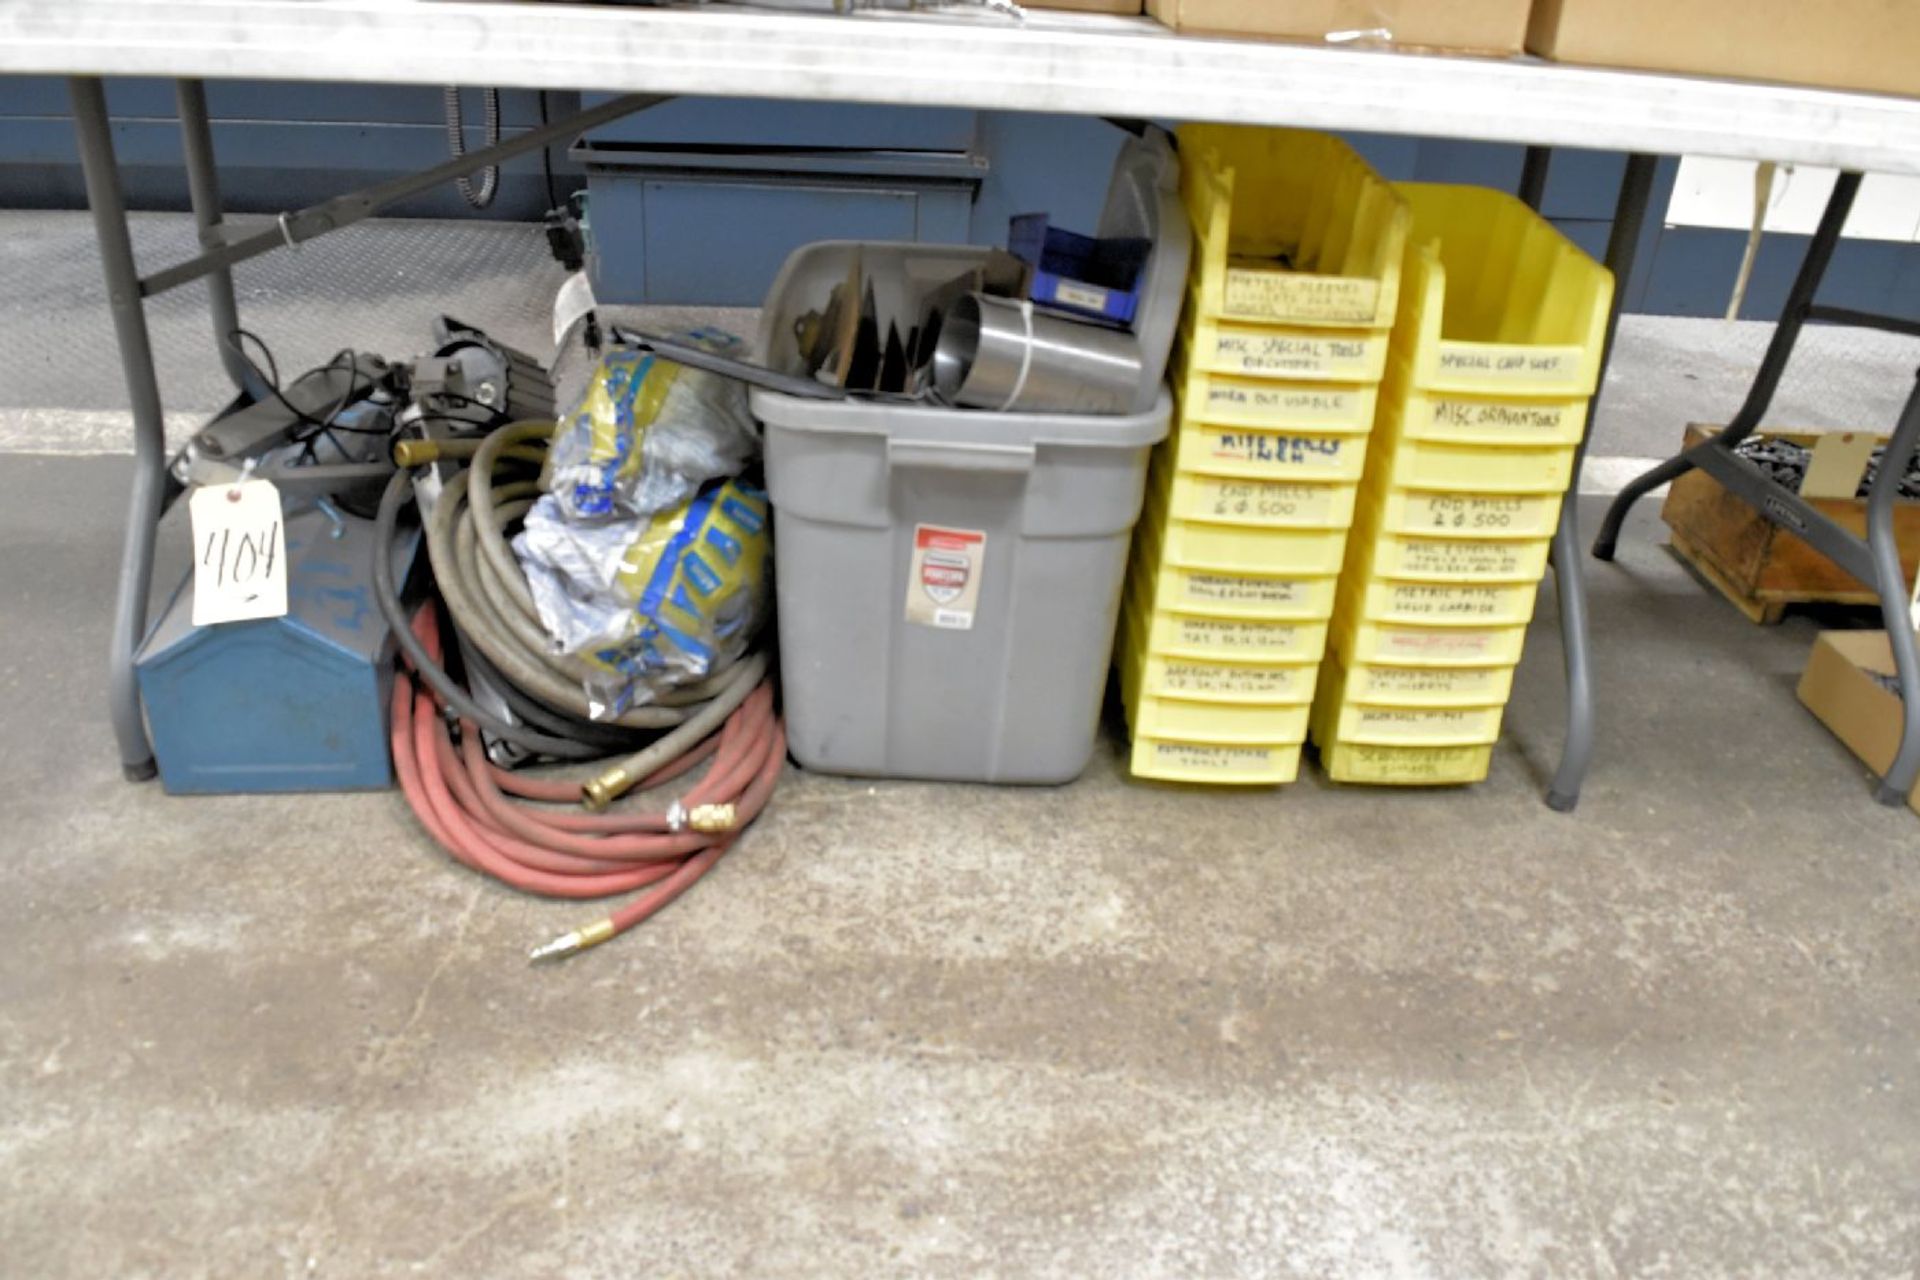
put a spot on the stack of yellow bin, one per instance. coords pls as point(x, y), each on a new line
point(1299, 248)
point(1496, 352)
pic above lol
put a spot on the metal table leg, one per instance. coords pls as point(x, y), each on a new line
point(203, 189)
point(104, 197)
point(1760, 396)
point(1891, 583)
point(1563, 793)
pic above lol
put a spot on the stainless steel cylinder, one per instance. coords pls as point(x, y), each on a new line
point(995, 353)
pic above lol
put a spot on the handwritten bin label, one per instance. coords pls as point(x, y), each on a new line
point(1215, 757)
point(1281, 405)
point(1429, 682)
point(1266, 501)
point(1226, 588)
point(1291, 353)
point(1504, 420)
point(1411, 764)
point(1448, 558)
point(1479, 513)
point(1511, 364)
point(1205, 678)
point(1259, 294)
point(1435, 604)
point(1279, 455)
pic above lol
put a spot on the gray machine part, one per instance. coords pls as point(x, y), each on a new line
point(473, 377)
point(222, 448)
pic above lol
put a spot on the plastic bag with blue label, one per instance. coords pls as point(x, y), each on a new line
point(653, 602)
point(648, 433)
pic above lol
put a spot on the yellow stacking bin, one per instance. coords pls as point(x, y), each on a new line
point(1428, 686)
point(1447, 604)
point(1282, 351)
point(1277, 504)
point(1339, 717)
point(1291, 227)
point(1236, 722)
point(1496, 350)
point(1455, 513)
point(1243, 549)
point(1495, 301)
point(1378, 766)
point(1201, 448)
point(1356, 639)
point(1418, 558)
point(1242, 682)
point(1251, 601)
point(1447, 417)
point(1485, 469)
point(1230, 400)
point(1214, 763)
point(1229, 723)
point(1285, 336)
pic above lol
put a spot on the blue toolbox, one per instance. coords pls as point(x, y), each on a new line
point(295, 703)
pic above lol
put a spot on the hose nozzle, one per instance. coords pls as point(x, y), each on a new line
point(572, 942)
point(415, 453)
point(711, 818)
point(597, 792)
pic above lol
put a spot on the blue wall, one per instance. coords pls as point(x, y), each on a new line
point(285, 145)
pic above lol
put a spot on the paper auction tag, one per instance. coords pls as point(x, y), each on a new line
point(239, 552)
point(572, 303)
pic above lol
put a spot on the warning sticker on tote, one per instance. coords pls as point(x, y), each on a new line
point(943, 583)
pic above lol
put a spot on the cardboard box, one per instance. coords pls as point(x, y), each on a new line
point(1087, 6)
point(1469, 26)
point(1840, 44)
point(1838, 687)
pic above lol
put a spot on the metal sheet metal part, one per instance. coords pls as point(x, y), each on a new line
point(998, 354)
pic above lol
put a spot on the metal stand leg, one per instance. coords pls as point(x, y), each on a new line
point(1765, 382)
point(109, 207)
point(1563, 793)
point(203, 188)
point(1533, 177)
point(1892, 585)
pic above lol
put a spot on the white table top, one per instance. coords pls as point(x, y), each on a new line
point(1084, 64)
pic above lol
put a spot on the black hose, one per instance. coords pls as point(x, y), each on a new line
point(386, 595)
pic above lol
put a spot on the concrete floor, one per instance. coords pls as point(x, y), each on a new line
point(905, 1029)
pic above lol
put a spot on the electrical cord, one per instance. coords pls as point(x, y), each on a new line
point(482, 196)
point(317, 428)
point(464, 800)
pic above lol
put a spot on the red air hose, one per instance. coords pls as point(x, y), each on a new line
point(475, 810)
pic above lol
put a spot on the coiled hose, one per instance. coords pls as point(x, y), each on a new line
point(467, 803)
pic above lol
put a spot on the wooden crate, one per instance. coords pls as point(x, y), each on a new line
point(1759, 566)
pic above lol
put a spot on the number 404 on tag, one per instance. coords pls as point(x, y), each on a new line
point(239, 553)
